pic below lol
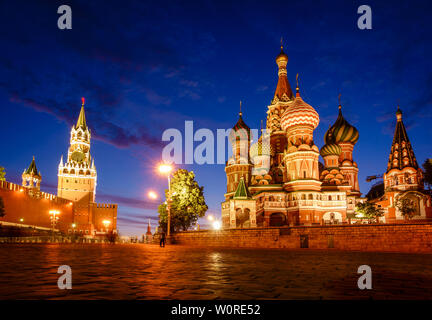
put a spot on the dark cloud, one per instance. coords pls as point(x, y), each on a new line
point(127, 202)
point(140, 222)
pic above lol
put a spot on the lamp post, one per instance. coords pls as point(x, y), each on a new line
point(106, 223)
point(54, 218)
point(166, 169)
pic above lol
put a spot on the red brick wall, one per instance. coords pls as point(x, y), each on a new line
point(103, 211)
point(20, 205)
point(407, 237)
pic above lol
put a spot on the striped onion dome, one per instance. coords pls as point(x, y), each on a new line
point(240, 129)
point(341, 131)
point(330, 149)
point(261, 149)
point(299, 113)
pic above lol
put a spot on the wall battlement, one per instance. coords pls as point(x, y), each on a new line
point(105, 205)
point(6, 185)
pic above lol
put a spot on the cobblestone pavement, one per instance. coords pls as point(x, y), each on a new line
point(136, 271)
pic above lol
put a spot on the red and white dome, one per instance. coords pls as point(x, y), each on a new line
point(299, 113)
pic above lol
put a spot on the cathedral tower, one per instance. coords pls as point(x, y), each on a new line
point(238, 165)
point(403, 172)
point(403, 180)
point(346, 136)
point(77, 177)
point(301, 155)
point(282, 97)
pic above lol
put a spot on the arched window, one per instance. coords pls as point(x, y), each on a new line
point(277, 219)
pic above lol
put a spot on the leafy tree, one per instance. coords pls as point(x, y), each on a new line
point(2, 208)
point(427, 167)
point(187, 202)
point(406, 207)
point(2, 174)
point(368, 211)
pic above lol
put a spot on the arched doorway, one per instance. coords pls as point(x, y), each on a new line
point(332, 218)
point(242, 218)
point(414, 201)
point(277, 219)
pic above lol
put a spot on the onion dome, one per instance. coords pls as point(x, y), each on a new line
point(299, 113)
point(261, 149)
point(330, 149)
point(240, 129)
point(341, 131)
point(282, 57)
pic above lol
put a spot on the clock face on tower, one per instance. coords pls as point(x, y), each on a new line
point(78, 156)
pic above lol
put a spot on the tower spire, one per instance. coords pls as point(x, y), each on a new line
point(297, 88)
point(401, 154)
point(240, 113)
point(283, 89)
point(339, 99)
point(81, 119)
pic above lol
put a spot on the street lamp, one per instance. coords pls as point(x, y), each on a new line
point(166, 169)
point(106, 223)
point(217, 225)
point(152, 195)
point(54, 218)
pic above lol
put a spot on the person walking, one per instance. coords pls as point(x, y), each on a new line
point(162, 240)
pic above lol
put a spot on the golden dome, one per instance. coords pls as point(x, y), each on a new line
point(261, 149)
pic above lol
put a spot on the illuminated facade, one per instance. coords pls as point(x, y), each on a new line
point(75, 200)
point(278, 180)
point(403, 179)
point(77, 180)
point(77, 177)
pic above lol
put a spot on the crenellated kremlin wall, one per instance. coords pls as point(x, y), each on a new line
point(30, 207)
point(25, 208)
point(401, 237)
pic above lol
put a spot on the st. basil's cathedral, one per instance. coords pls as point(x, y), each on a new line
point(279, 180)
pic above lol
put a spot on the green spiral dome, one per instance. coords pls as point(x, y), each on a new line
point(341, 131)
point(330, 149)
